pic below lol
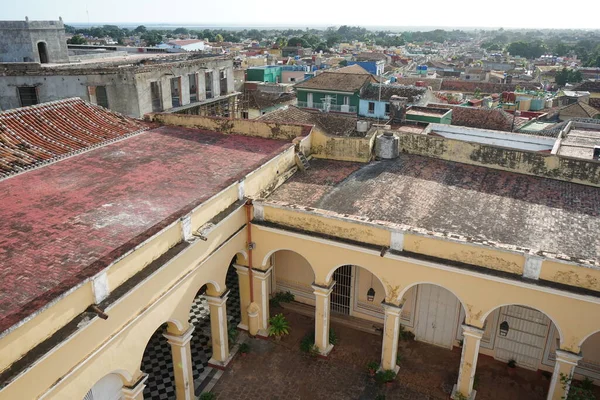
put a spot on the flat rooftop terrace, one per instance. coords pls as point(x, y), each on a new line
point(66, 221)
point(452, 198)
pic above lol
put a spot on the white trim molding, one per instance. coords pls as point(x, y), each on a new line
point(100, 287)
point(533, 267)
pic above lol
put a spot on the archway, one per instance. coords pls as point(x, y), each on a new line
point(201, 342)
point(520, 333)
point(157, 362)
point(434, 313)
point(42, 52)
point(107, 388)
point(292, 273)
point(589, 365)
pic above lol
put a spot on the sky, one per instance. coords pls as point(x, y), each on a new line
point(309, 13)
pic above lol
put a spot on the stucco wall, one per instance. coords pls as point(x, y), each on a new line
point(19, 39)
point(342, 148)
point(524, 162)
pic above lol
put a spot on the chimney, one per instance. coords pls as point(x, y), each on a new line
point(398, 108)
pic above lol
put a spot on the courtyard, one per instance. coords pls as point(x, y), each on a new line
point(279, 370)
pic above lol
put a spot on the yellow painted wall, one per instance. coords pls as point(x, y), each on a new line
point(571, 275)
point(342, 148)
point(293, 272)
point(470, 254)
point(270, 130)
point(479, 293)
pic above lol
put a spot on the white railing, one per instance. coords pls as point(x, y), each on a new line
point(344, 108)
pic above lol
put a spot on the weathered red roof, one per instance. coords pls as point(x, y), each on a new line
point(31, 136)
point(64, 222)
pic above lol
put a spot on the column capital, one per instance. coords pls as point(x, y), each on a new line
point(180, 340)
point(262, 275)
point(217, 301)
point(392, 309)
point(567, 357)
point(322, 290)
point(241, 269)
point(134, 390)
point(473, 331)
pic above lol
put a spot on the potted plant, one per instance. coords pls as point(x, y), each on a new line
point(372, 367)
point(278, 326)
point(207, 396)
point(244, 349)
point(386, 377)
point(511, 366)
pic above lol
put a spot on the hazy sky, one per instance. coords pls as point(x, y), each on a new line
point(529, 14)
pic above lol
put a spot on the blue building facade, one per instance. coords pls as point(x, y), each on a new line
point(372, 67)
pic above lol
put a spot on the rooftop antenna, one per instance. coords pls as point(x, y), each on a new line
point(87, 11)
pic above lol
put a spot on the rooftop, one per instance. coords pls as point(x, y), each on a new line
point(76, 126)
point(352, 69)
point(579, 110)
point(64, 222)
point(588, 86)
point(413, 93)
point(328, 123)
point(580, 143)
point(337, 81)
point(445, 197)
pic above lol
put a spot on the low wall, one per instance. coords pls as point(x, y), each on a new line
point(546, 165)
point(269, 130)
point(342, 148)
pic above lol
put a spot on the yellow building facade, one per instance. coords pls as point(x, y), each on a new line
point(387, 273)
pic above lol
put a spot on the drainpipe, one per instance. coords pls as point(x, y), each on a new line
point(253, 308)
point(250, 246)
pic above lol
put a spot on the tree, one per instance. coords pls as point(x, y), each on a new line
point(152, 38)
point(343, 63)
point(140, 29)
point(219, 38)
point(322, 47)
point(296, 41)
point(255, 34)
point(333, 39)
point(77, 39)
point(181, 31)
point(565, 76)
point(281, 42)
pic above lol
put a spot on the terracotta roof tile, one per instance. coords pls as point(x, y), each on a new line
point(342, 82)
point(31, 136)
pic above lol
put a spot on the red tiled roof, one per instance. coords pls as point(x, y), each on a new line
point(65, 222)
point(31, 136)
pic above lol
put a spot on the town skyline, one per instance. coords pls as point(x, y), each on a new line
point(250, 14)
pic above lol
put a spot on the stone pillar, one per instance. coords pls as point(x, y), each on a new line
point(261, 297)
point(218, 330)
point(182, 363)
point(564, 366)
point(391, 333)
point(201, 85)
point(244, 284)
point(322, 298)
point(165, 91)
point(468, 361)
point(216, 77)
point(136, 390)
point(230, 80)
point(184, 86)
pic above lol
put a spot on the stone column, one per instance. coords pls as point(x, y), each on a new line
point(230, 80)
point(216, 82)
point(136, 390)
point(165, 91)
point(244, 284)
point(218, 330)
point(391, 333)
point(322, 299)
point(201, 85)
point(182, 363)
point(184, 86)
point(468, 361)
point(564, 366)
point(261, 297)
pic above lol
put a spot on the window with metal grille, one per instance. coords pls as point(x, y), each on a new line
point(341, 296)
point(101, 96)
point(28, 96)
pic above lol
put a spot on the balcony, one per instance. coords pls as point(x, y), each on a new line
point(344, 108)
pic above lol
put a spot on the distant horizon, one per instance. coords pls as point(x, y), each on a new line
point(241, 26)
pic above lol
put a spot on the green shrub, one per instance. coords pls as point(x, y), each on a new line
point(385, 376)
point(232, 335)
point(278, 326)
point(406, 335)
point(372, 366)
point(207, 396)
point(512, 363)
point(308, 341)
point(244, 348)
point(281, 297)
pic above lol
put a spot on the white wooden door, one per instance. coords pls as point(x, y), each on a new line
point(526, 337)
point(437, 313)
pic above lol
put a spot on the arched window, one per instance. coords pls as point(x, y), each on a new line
point(43, 52)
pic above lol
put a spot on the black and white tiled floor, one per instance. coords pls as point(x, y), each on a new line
point(157, 361)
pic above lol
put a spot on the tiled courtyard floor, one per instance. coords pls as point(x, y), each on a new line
point(278, 370)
